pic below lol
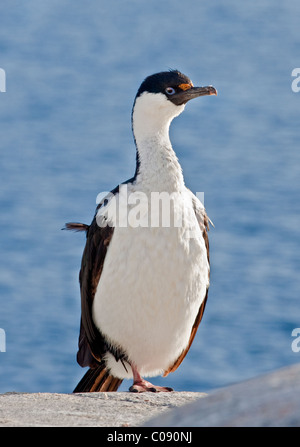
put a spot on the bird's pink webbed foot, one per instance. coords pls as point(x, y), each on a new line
point(141, 385)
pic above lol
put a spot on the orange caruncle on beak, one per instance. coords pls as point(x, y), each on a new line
point(185, 87)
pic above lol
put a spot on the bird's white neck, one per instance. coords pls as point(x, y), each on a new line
point(158, 168)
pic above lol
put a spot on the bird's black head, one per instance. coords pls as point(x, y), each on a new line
point(176, 86)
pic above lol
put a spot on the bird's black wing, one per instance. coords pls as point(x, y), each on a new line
point(91, 343)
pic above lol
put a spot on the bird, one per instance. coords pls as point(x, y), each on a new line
point(144, 277)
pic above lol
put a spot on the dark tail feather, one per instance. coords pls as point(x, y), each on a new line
point(98, 379)
point(76, 226)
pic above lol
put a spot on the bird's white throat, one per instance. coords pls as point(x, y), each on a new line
point(158, 165)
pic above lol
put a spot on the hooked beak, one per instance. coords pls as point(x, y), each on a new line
point(193, 92)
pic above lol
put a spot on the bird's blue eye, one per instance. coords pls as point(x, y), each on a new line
point(170, 91)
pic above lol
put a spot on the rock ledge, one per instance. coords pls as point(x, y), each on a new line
point(269, 400)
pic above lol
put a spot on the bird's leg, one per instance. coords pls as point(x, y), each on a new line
point(141, 385)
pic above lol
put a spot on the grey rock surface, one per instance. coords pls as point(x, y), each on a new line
point(272, 400)
point(121, 409)
point(269, 400)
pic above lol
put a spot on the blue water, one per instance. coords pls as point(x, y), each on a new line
point(72, 70)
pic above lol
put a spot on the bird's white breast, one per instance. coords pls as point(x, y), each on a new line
point(153, 282)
